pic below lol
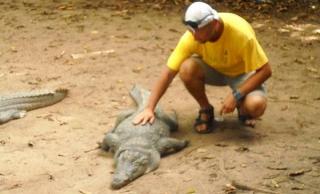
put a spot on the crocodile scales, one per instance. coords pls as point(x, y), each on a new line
point(15, 106)
point(138, 148)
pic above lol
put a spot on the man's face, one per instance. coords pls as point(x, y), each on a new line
point(203, 34)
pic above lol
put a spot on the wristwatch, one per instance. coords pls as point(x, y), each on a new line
point(237, 95)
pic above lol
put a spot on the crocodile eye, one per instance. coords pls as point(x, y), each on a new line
point(140, 162)
point(125, 155)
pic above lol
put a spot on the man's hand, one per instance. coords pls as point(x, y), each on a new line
point(228, 105)
point(146, 116)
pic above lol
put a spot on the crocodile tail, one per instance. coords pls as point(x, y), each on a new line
point(32, 100)
point(140, 96)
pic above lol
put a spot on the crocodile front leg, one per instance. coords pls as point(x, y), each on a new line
point(110, 142)
point(8, 115)
point(168, 145)
point(122, 116)
point(170, 120)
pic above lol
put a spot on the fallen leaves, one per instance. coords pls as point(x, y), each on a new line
point(294, 97)
point(137, 69)
point(59, 56)
point(221, 145)
point(316, 31)
point(298, 187)
point(229, 189)
point(13, 49)
point(277, 167)
point(202, 150)
point(312, 69)
point(65, 7)
point(30, 144)
point(242, 149)
point(124, 14)
point(299, 172)
point(275, 183)
point(84, 192)
point(191, 191)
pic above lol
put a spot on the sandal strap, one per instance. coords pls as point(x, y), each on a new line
point(208, 110)
point(209, 113)
point(241, 117)
point(200, 121)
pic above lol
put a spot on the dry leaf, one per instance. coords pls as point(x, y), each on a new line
point(299, 172)
point(201, 150)
point(312, 69)
point(230, 189)
point(294, 97)
point(92, 54)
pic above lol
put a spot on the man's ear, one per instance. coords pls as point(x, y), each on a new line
point(215, 23)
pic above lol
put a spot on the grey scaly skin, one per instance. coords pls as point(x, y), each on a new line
point(16, 105)
point(138, 148)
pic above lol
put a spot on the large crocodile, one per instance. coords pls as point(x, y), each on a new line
point(138, 148)
point(16, 105)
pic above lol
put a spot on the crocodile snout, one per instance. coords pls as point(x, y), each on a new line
point(119, 181)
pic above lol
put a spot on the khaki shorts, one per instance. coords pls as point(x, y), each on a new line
point(213, 77)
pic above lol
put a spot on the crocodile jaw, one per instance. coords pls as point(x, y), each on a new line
point(130, 165)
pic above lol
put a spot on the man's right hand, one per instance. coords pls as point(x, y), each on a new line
point(146, 116)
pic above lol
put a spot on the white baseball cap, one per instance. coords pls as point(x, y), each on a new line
point(199, 14)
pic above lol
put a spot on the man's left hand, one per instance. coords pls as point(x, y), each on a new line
point(228, 105)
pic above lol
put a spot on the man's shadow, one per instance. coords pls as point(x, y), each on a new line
point(228, 130)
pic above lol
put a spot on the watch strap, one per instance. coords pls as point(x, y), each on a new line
point(237, 95)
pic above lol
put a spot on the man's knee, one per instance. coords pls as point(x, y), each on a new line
point(255, 105)
point(190, 69)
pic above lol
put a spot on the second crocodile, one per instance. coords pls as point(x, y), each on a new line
point(16, 105)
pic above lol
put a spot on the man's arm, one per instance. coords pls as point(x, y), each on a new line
point(158, 90)
point(260, 76)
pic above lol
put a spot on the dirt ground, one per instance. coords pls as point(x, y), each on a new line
point(53, 149)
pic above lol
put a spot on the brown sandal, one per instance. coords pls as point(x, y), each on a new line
point(207, 121)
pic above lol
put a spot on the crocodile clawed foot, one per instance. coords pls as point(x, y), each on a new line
point(22, 114)
point(19, 114)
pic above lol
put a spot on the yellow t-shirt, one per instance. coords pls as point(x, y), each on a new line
point(237, 51)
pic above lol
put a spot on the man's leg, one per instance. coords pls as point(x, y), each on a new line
point(195, 73)
point(193, 78)
point(252, 107)
point(254, 103)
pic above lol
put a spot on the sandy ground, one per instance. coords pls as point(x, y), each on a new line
point(53, 149)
